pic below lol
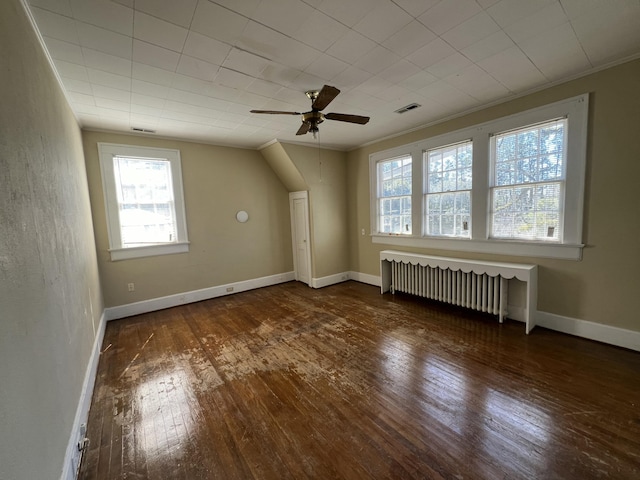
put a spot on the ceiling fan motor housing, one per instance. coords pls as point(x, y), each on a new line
point(313, 118)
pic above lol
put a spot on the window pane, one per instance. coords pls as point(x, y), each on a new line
point(433, 225)
point(464, 179)
point(505, 148)
point(463, 202)
point(449, 170)
point(448, 203)
point(449, 181)
point(145, 201)
point(406, 205)
point(435, 182)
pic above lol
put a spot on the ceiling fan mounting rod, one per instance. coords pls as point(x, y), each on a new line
point(312, 94)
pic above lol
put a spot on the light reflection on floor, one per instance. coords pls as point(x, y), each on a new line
point(445, 388)
point(162, 409)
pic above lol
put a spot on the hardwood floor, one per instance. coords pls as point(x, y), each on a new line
point(288, 382)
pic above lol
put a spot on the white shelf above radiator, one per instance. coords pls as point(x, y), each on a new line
point(524, 272)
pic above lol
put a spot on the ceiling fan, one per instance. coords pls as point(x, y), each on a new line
point(314, 117)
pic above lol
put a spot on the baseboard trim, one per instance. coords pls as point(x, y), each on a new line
point(160, 303)
point(329, 280)
point(72, 454)
point(365, 278)
point(343, 277)
point(599, 332)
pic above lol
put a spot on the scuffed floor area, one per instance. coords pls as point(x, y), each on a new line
point(345, 383)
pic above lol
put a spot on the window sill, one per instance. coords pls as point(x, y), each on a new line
point(497, 247)
point(148, 251)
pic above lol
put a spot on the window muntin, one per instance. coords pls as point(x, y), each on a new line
point(143, 200)
point(394, 195)
point(529, 166)
point(448, 183)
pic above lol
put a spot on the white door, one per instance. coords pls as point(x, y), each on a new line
point(299, 205)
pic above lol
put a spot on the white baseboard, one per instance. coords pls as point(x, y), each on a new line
point(365, 278)
point(343, 277)
point(145, 306)
point(619, 337)
point(329, 280)
point(72, 455)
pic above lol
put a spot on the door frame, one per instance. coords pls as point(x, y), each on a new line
point(301, 195)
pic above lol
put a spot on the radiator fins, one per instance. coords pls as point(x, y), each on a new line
point(479, 292)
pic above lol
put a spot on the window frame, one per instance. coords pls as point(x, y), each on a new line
point(575, 109)
point(106, 153)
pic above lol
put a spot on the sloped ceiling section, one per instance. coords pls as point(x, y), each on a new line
point(279, 160)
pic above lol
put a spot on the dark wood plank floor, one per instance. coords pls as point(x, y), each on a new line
point(287, 382)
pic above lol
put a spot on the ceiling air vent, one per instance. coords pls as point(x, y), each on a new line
point(406, 108)
point(142, 130)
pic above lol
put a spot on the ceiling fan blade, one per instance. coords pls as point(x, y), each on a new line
point(276, 112)
point(344, 117)
point(304, 128)
point(325, 97)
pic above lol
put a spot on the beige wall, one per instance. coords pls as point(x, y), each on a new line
point(217, 181)
point(50, 302)
point(601, 288)
point(325, 172)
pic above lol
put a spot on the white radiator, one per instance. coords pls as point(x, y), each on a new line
point(471, 290)
point(475, 284)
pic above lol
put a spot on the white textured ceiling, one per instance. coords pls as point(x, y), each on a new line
point(193, 69)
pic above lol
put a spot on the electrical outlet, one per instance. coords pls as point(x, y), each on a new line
point(131, 287)
point(229, 289)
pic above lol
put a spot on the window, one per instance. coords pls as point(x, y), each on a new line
point(528, 182)
point(510, 186)
point(144, 201)
point(394, 195)
point(448, 190)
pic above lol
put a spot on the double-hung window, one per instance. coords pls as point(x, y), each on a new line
point(448, 190)
point(394, 195)
point(528, 182)
point(144, 201)
point(511, 186)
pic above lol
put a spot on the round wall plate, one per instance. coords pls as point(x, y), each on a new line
point(242, 216)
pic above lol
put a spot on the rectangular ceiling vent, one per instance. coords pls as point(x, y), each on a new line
point(142, 130)
point(406, 108)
